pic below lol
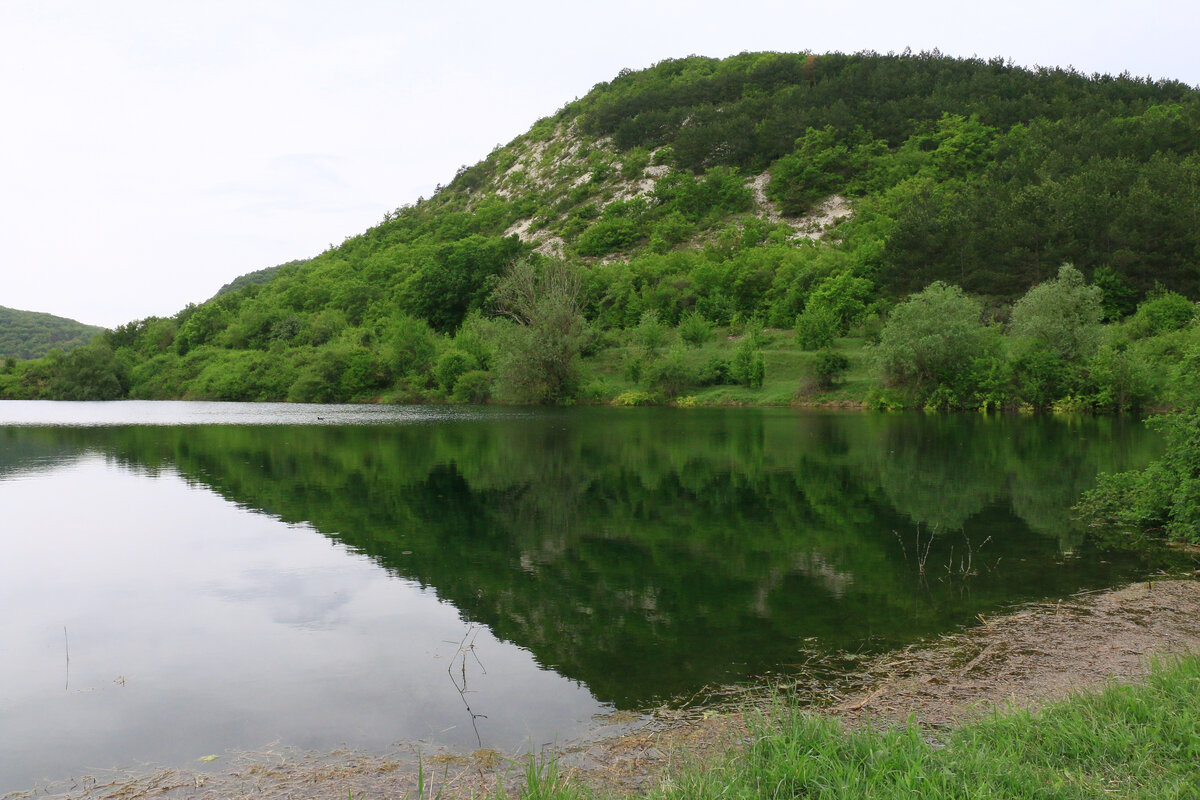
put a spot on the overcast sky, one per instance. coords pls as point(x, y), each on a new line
point(152, 151)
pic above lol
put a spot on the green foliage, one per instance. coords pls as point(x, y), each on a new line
point(834, 305)
point(1116, 296)
point(634, 163)
point(91, 372)
point(474, 386)
point(1060, 317)
point(828, 368)
point(651, 332)
point(608, 235)
point(671, 374)
point(748, 367)
point(409, 347)
point(339, 372)
point(720, 192)
point(1164, 495)
point(257, 277)
point(242, 376)
point(670, 229)
point(540, 360)
point(451, 366)
point(29, 334)
point(820, 166)
point(1055, 329)
point(456, 278)
point(1164, 311)
point(817, 327)
point(715, 371)
point(633, 398)
point(1121, 380)
point(695, 330)
point(931, 338)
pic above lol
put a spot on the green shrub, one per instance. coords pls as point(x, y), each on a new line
point(1162, 312)
point(634, 162)
point(714, 372)
point(451, 366)
point(816, 328)
point(633, 398)
point(607, 236)
point(670, 375)
point(1165, 495)
point(931, 338)
point(829, 367)
point(1121, 380)
point(651, 332)
point(748, 367)
point(473, 386)
point(695, 330)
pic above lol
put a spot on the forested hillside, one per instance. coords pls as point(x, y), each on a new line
point(743, 230)
point(30, 334)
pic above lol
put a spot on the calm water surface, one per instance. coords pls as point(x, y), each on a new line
point(183, 579)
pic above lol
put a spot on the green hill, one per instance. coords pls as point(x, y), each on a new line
point(30, 334)
point(702, 199)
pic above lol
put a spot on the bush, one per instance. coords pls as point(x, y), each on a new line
point(694, 329)
point(608, 235)
point(714, 372)
point(816, 328)
point(1163, 312)
point(829, 367)
point(748, 367)
point(931, 338)
point(410, 345)
point(633, 398)
point(1164, 495)
point(451, 366)
point(474, 386)
point(651, 332)
point(1061, 317)
point(670, 375)
point(634, 162)
point(1121, 381)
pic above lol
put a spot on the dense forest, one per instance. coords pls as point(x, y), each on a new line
point(30, 334)
point(895, 231)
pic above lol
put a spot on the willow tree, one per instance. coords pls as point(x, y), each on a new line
point(539, 359)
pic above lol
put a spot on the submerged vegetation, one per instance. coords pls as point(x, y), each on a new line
point(768, 228)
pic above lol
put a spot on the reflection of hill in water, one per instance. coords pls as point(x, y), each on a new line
point(649, 553)
point(24, 450)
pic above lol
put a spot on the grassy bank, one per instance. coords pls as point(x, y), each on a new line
point(1124, 742)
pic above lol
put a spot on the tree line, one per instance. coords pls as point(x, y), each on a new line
point(972, 183)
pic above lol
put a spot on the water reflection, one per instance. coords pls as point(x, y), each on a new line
point(640, 554)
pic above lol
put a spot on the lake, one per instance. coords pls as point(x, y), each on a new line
point(186, 579)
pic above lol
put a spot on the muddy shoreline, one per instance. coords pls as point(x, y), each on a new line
point(1025, 658)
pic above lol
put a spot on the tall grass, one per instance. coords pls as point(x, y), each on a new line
point(1124, 742)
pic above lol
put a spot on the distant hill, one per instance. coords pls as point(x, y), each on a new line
point(692, 201)
point(32, 334)
point(256, 278)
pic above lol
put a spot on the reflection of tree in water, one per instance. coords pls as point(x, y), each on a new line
point(33, 449)
point(1054, 462)
point(648, 552)
point(939, 471)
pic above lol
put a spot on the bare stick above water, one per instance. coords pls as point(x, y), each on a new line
point(67, 648)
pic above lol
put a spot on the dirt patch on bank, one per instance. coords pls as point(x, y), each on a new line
point(1024, 659)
